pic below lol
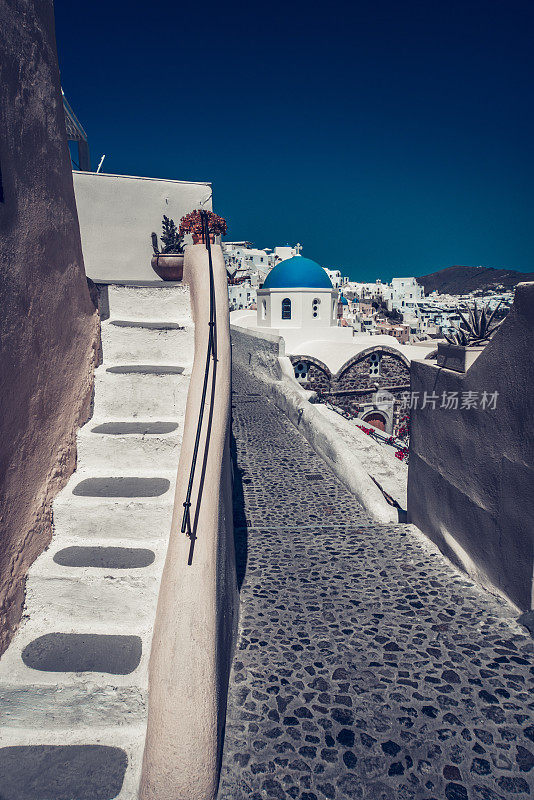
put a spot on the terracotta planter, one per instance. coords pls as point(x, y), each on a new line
point(456, 356)
point(199, 239)
point(169, 268)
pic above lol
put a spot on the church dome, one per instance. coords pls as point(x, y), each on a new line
point(343, 300)
point(297, 273)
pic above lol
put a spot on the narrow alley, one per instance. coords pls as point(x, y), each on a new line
point(366, 666)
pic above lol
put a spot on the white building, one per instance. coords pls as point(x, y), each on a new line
point(336, 278)
point(356, 289)
point(246, 263)
point(241, 295)
point(403, 294)
point(297, 293)
point(285, 252)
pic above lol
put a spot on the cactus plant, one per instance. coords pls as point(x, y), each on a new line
point(476, 329)
point(172, 242)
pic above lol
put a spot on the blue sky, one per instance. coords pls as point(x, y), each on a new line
point(388, 137)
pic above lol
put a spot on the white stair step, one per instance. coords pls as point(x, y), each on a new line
point(140, 391)
point(134, 518)
point(126, 738)
point(98, 518)
point(152, 303)
point(72, 652)
point(121, 443)
point(131, 341)
point(85, 600)
point(80, 705)
point(73, 555)
point(117, 484)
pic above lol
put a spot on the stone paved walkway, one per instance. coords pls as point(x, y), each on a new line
point(366, 667)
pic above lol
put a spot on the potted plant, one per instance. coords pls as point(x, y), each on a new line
point(463, 347)
point(192, 223)
point(168, 262)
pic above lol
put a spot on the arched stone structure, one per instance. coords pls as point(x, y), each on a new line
point(317, 377)
point(353, 387)
point(363, 354)
point(361, 372)
point(377, 419)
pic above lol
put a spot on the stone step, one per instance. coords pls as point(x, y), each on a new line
point(150, 303)
point(77, 705)
point(115, 597)
point(102, 554)
point(130, 341)
point(86, 764)
point(117, 649)
point(140, 391)
point(116, 518)
point(113, 484)
point(153, 444)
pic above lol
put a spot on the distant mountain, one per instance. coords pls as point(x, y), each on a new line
point(461, 280)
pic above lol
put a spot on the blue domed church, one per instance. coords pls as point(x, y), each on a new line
point(297, 293)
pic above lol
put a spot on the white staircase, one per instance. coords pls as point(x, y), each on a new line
point(75, 675)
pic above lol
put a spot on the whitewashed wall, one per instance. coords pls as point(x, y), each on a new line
point(117, 214)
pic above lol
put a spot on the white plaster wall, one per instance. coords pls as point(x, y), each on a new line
point(117, 214)
point(471, 473)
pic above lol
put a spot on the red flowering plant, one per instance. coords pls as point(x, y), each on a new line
point(192, 223)
point(402, 454)
point(403, 430)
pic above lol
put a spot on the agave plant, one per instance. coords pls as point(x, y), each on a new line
point(477, 329)
point(231, 275)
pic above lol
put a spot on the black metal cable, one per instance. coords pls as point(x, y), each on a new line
point(211, 353)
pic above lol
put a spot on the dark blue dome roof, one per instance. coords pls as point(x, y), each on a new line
point(297, 273)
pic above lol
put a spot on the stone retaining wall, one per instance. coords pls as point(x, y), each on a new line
point(471, 474)
point(357, 460)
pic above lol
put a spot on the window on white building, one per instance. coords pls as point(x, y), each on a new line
point(263, 309)
point(374, 364)
point(286, 308)
point(315, 307)
point(301, 371)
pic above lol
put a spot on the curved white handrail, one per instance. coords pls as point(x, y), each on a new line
point(197, 606)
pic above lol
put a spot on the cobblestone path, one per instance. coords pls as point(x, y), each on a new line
point(366, 667)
